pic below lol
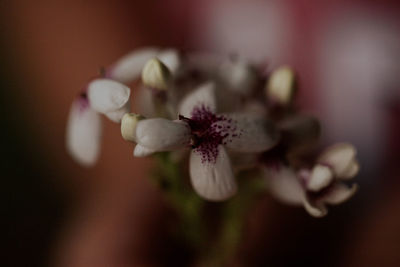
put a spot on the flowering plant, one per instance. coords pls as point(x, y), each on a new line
point(225, 125)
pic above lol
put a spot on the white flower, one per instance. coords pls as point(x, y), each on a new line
point(109, 97)
point(210, 135)
point(323, 184)
point(130, 66)
point(83, 135)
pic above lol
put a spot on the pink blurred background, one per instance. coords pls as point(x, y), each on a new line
point(347, 54)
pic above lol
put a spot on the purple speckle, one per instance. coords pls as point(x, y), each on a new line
point(83, 101)
point(209, 131)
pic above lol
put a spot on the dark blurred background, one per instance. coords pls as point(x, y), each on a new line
point(55, 213)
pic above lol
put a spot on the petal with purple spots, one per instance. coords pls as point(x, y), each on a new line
point(204, 96)
point(249, 132)
point(212, 180)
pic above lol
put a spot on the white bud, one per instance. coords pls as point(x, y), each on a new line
point(156, 75)
point(128, 126)
point(106, 95)
point(321, 176)
point(281, 86)
point(341, 158)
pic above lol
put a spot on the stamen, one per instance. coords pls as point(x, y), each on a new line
point(209, 131)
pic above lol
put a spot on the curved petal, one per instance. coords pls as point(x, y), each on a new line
point(170, 57)
point(141, 151)
point(212, 180)
point(83, 133)
point(116, 115)
point(321, 176)
point(162, 134)
point(315, 208)
point(250, 132)
point(351, 171)
point(339, 157)
point(106, 95)
point(339, 193)
point(129, 67)
point(204, 95)
point(284, 185)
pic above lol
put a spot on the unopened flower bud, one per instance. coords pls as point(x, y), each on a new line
point(128, 126)
point(156, 75)
point(321, 177)
point(281, 86)
point(342, 159)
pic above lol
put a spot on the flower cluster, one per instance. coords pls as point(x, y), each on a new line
point(220, 115)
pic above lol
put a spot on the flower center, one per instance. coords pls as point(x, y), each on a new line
point(209, 131)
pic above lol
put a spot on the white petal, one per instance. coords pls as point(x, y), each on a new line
point(351, 171)
point(83, 133)
point(212, 180)
point(321, 176)
point(117, 115)
point(284, 185)
point(315, 208)
point(129, 67)
point(339, 157)
point(171, 58)
point(238, 76)
point(250, 133)
point(339, 193)
point(106, 95)
point(141, 151)
point(203, 95)
point(162, 134)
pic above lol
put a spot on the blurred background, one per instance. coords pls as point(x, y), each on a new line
point(55, 213)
